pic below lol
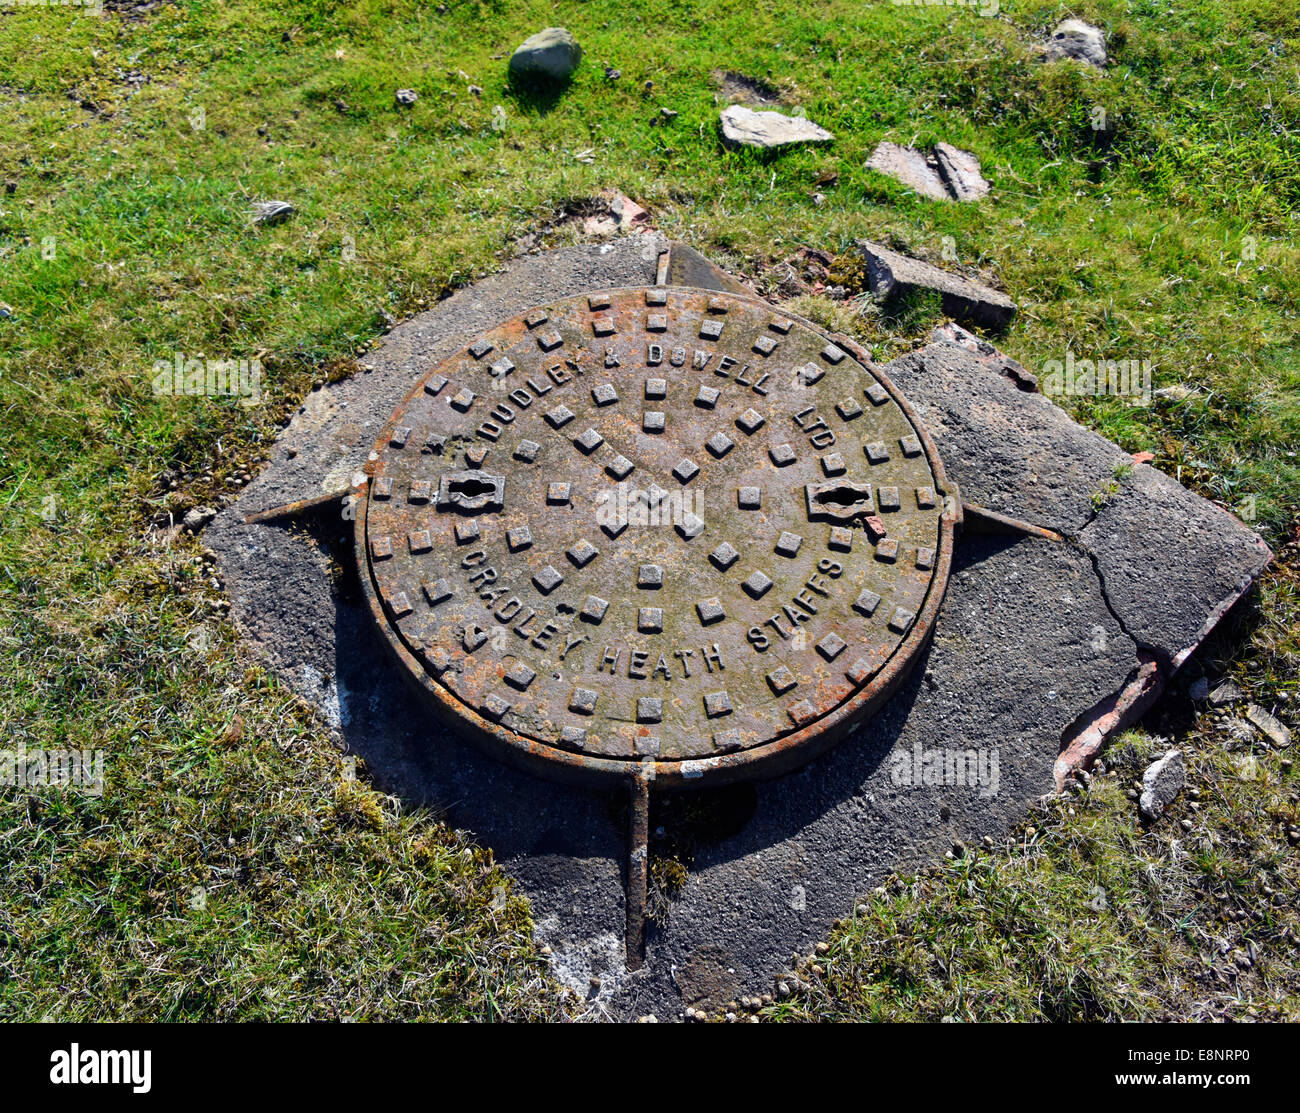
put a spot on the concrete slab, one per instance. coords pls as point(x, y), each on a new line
point(1034, 639)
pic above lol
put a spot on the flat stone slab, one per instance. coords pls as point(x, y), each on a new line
point(945, 173)
point(890, 275)
point(748, 127)
point(963, 749)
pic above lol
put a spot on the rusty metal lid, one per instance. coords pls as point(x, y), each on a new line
point(657, 530)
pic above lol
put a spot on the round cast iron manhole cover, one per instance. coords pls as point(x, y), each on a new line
point(659, 531)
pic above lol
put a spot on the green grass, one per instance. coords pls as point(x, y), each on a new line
point(135, 148)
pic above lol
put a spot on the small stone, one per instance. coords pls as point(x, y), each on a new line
point(548, 56)
point(1161, 784)
point(272, 212)
point(1078, 40)
point(1199, 689)
point(1277, 732)
point(744, 127)
point(197, 517)
point(406, 97)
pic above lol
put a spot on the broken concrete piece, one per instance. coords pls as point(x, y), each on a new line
point(626, 212)
point(1161, 784)
point(961, 172)
point(1226, 693)
point(1276, 731)
point(946, 173)
point(911, 167)
point(549, 56)
point(745, 127)
point(1169, 599)
point(999, 361)
point(1078, 40)
point(890, 274)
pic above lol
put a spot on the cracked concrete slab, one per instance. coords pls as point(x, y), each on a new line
point(1008, 449)
point(1160, 593)
point(1029, 657)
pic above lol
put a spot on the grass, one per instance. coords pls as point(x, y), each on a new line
point(135, 147)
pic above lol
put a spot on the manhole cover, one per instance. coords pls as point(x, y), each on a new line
point(660, 531)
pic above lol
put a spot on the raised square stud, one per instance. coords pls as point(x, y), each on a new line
point(719, 444)
point(686, 470)
point(547, 580)
point(866, 603)
point(724, 556)
point(620, 467)
point(717, 704)
point(593, 608)
point(589, 441)
point(583, 701)
point(787, 544)
point(649, 709)
point(781, 680)
point(831, 646)
point(710, 611)
point(583, 553)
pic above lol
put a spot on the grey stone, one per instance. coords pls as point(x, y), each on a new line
point(1161, 784)
point(890, 274)
point(197, 517)
point(961, 172)
point(272, 212)
point(1199, 689)
point(911, 167)
point(1171, 563)
point(1273, 728)
point(551, 55)
point(1226, 693)
point(406, 97)
point(746, 127)
point(946, 173)
point(1078, 40)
